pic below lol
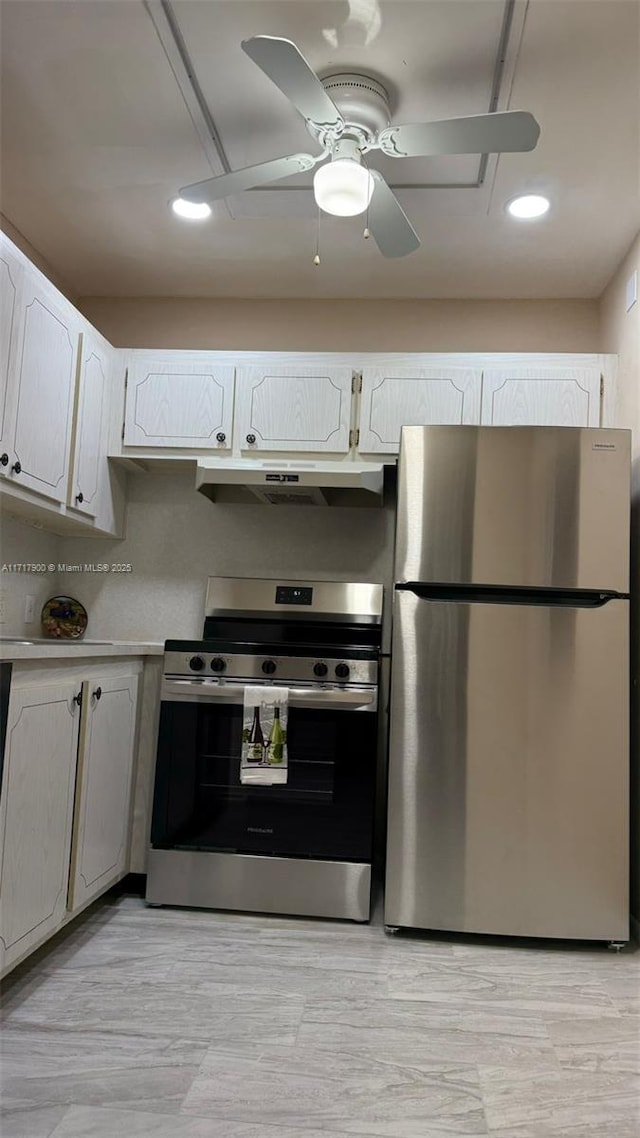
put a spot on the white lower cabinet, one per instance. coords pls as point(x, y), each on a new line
point(103, 787)
point(36, 815)
point(66, 804)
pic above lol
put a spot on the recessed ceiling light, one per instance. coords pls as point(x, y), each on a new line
point(528, 206)
point(193, 211)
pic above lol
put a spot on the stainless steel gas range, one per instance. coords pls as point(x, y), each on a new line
point(303, 846)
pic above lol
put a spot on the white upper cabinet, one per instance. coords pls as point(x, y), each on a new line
point(293, 408)
point(178, 399)
point(89, 460)
point(103, 789)
point(44, 375)
point(396, 397)
point(551, 397)
point(36, 814)
point(11, 284)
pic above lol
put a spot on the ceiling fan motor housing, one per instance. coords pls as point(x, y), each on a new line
point(362, 102)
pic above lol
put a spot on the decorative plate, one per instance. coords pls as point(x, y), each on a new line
point(63, 618)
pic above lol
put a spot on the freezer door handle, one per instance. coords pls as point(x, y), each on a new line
point(511, 595)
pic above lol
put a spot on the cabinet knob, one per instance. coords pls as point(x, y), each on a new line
point(80, 497)
point(4, 459)
point(17, 468)
point(98, 693)
point(251, 439)
point(78, 698)
point(221, 437)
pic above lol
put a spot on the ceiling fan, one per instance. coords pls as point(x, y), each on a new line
point(348, 115)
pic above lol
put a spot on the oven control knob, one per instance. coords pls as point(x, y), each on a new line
point(196, 663)
point(268, 667)
point(218, 664)
point(342, 671)
point(320, 669)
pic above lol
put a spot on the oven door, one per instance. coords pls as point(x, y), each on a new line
point(325, 809)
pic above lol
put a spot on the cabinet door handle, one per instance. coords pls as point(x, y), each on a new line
point(17, 468)
point(80, 497)
point(4, 459)
point(78, 698)
point(221, 437)
point(98, 693)
point(251, 439)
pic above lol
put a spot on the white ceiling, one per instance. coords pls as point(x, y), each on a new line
point(97, 138)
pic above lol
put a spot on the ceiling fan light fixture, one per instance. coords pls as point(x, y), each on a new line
point(191, 211)
point(527, 207)
point(343, 187)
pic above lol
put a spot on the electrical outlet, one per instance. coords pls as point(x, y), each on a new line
point(3, 606)
point(29, 608)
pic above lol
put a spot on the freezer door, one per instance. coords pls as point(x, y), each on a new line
point(546, 507)
point(508, 769)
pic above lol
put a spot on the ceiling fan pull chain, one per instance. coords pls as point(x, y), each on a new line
point(316, 259)
point(366, 232)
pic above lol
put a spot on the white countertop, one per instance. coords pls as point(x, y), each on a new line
point(36, 649)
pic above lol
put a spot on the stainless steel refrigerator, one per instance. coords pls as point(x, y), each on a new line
point(509, 755)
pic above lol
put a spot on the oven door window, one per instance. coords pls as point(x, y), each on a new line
point(325, 810)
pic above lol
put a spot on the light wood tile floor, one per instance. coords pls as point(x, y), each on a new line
point(161, 1023)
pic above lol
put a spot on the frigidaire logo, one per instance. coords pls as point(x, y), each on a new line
point(604, 446)
point(259, 830)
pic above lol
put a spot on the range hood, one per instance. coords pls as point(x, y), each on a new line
point(291, 483)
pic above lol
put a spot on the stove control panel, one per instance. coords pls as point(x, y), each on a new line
point(334, 671)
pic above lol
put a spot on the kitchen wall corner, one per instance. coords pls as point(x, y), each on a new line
point(620, 333)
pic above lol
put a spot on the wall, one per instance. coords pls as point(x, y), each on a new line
point(348, 325)
point(176, 538)
point(36, 258)
point(620, 332)
point(22, 543)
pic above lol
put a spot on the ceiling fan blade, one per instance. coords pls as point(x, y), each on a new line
point(503, 132)
point(389, 225)
point(212, 189)
point(289, 70)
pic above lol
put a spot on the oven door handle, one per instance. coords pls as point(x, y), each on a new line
point(349, 699)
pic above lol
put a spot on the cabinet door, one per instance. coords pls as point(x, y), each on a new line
point(11, 283)
point(36, 815)
point(103, 791)
point(89, 452)
point(294, 409)
point(45, 384)
point(548, 397)
point(174, 402)
point(392, 399)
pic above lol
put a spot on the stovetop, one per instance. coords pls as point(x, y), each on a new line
point(278, 632)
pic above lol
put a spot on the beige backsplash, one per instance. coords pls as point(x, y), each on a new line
point(175, 539)
point(22, 544)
